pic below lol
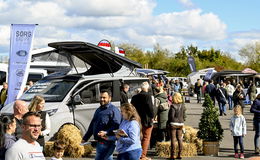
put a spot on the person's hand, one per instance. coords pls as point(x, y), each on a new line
point(102, 133)
point(117, 136)
point(243, 135)
point(83, 141)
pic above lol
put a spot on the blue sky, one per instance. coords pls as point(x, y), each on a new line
point(239, 15)
point(227, 25)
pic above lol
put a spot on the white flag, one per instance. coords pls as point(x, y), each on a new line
point(19, 59)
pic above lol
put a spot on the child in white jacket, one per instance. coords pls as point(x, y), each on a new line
point(238, 130)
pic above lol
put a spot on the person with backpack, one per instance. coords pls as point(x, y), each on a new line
point(162, 107)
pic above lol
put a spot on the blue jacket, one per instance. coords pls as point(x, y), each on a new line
point(255, 108)
point(211, 90)
point(132, 142)
point(106, 118)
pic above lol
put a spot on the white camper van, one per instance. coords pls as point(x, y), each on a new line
point(73, 98)
point(194, 76)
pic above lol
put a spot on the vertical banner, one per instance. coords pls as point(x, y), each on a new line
point(208, 75)
point(19, 59)
point(191, 62)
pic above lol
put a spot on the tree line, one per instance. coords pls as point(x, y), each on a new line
point(177, 63)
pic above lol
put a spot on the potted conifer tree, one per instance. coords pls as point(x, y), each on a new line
point(210, 130)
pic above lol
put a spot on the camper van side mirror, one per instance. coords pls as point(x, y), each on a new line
point(77, 99)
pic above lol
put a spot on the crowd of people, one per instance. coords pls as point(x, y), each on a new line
point(128, 129)
point(232, 96)
point(129, 133)
point(22, 133)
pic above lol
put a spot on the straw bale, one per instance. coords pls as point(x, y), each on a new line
point(163, 149)
point(190, 136)
point(48, 148)
point(71, 136)
point(88, 150)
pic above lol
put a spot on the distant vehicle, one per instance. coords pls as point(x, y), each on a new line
point(34, 74)
point(245, 77)
point(182, 79)
point(194, 76)
point(152, 73)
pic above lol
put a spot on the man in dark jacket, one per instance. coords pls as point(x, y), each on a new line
point(211, 90)
point(221, 96)
point(255, 108)
point(20, 108)
point(124, 94)
point(144, 106)
point(106, 119)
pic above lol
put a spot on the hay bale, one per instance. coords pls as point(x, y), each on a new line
point(163, 149)
point(88, 150)
point(71, 136)
point(190, 136)
point(48, 149)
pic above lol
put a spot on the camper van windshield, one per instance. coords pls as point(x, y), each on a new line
point(51, 90)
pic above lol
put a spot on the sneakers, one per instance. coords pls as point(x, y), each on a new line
point(257, 151)
point(242, 156)
point(236, 155)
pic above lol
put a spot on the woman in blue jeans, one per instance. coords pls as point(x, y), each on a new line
point(128, 135)
point(255, 108)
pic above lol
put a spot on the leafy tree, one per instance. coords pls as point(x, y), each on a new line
point(252, 54)
point(134, 53)
point(177, 64)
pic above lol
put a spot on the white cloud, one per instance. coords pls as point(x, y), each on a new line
point(129, 21)
point(191, 24)
point(186, 3)
point(5, 35)
point(100, 8)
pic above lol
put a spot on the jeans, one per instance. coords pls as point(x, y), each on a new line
point(198, 97)
point(257, 133)
point(147, 131)
point(238, 139)
point(130, 155)
point(222, 108)
point(104, 151)
point(230, 102)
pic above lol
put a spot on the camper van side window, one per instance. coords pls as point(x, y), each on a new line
point(88, 95)
point(91, 93)
point(133, 86)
